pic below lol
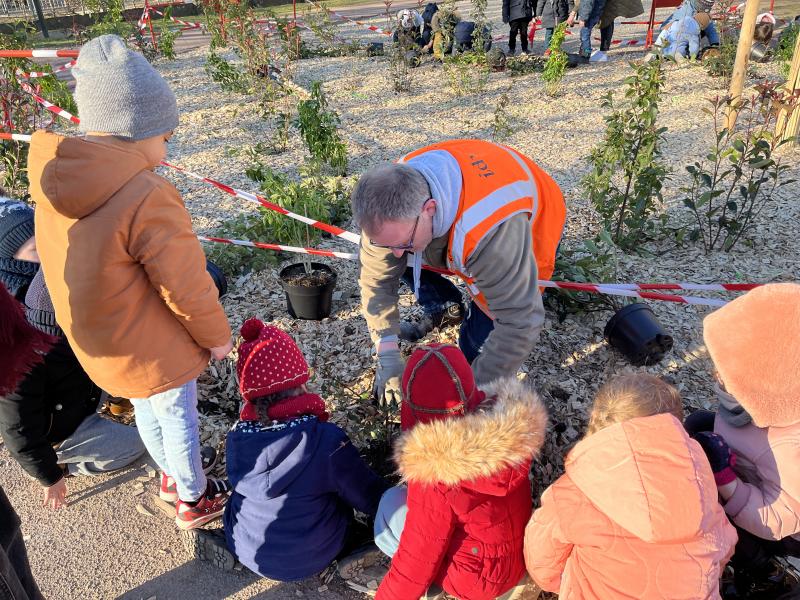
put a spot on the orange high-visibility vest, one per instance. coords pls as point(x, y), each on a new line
point(497, 183)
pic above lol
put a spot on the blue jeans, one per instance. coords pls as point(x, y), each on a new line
point(168, 424)
point(435, 291)
point(390, 519)
point(592, 20)
point(475, 328)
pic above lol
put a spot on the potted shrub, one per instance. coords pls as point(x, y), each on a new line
point(309, 289)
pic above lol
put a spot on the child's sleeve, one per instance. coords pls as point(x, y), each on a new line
point(161, 239)
point(771, 510)
point(546, 546)
point(423, 544)
point(355, 483)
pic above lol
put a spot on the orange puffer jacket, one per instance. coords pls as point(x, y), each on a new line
point(635, 516)
point(125, 271)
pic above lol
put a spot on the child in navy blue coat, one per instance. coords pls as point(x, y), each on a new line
point(296, 478)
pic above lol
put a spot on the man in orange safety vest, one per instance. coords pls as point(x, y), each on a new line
point(480, 210)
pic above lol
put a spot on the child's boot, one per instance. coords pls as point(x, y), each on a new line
point(208, 545)
point(365, 556)
point(169, 490)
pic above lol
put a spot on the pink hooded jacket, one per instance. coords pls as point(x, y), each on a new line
point(635, 516)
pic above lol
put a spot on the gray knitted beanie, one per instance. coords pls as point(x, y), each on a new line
point(118, 92)
point(16, 226)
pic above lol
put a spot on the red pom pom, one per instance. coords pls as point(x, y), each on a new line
point(251, 329)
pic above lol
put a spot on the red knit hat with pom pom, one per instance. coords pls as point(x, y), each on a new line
point(269, 361)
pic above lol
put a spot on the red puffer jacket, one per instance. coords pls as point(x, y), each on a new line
point(468, 498)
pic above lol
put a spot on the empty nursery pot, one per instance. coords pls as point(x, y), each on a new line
point(218, 276)
point(375, 49)
point(308, 296)
point(634, 331)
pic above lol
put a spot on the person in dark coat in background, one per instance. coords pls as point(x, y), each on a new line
point(518, 15)
point(613, 9)
point(21, 347)
point(551, 13)
point(19, 261)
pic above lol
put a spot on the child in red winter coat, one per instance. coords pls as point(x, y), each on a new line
point(464, 455)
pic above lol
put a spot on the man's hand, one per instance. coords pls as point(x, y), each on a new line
point(221, 352)
point(387, 390)
point(55, 496)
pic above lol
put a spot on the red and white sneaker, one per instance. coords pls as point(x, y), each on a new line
point(210, 506)
point(169, 490)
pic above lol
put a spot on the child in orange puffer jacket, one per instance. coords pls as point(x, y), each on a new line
point(636, 514)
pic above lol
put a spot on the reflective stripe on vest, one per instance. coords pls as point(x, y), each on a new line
point(483, 214)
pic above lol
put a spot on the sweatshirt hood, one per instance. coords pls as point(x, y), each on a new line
point(488, 450)
point(264, 461)
point(443, 174)
point(76, 176)
point(647, 476)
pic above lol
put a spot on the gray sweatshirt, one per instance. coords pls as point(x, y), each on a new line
point(505, 271)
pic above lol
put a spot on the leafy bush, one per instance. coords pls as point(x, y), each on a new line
point(524, 64)
point(627, 175)
point(226, 75)
point(785, 49)
point(501, 124)
point(323, 198)
point(467, 72)
point(592, 261)
point(21, 113)
point(741, 173)
point(556, 64)
point(318, 126)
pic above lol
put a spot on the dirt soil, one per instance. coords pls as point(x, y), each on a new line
point(103, 546)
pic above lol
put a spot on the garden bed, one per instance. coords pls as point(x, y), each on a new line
point(571, 359)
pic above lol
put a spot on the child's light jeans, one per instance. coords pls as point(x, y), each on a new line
point(390, 519)
point(168, 424)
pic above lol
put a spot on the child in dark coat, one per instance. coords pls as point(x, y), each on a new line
point(296, 478)
point(518, 15)
point(551, 13)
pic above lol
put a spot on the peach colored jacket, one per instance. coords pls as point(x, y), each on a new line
point(125, 271)
point(635, 516)
point(767, 498)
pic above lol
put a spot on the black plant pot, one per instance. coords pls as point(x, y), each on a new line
point(305, 301)
point(634, 331)
point(218, 276)
point(375, 49)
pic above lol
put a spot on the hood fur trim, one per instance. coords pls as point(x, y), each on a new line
point(499, 434)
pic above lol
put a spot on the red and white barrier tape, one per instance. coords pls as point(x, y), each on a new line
point(57, 110)
point(186, 24)
point(17, 137)
point(142, 23)
point(349, 20)
point(280, 247)
point(695, 287)
point(35, 74)
point(257, 199)
point(593, 288)
point(39, 53)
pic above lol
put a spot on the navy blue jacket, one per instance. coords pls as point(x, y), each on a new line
point(295, 485)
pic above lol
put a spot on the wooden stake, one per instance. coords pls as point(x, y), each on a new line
point(788, 125)
point(742, 55)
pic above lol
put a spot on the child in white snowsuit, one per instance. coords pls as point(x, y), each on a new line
point(682, 37)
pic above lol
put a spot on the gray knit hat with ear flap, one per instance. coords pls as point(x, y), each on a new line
point(118, 92)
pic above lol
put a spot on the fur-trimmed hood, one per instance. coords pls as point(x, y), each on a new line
point(506, 430)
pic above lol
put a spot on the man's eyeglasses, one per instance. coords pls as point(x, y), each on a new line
point(407, 246)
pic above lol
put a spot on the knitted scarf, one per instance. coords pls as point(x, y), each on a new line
point(288, 408)
point(16, 275)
